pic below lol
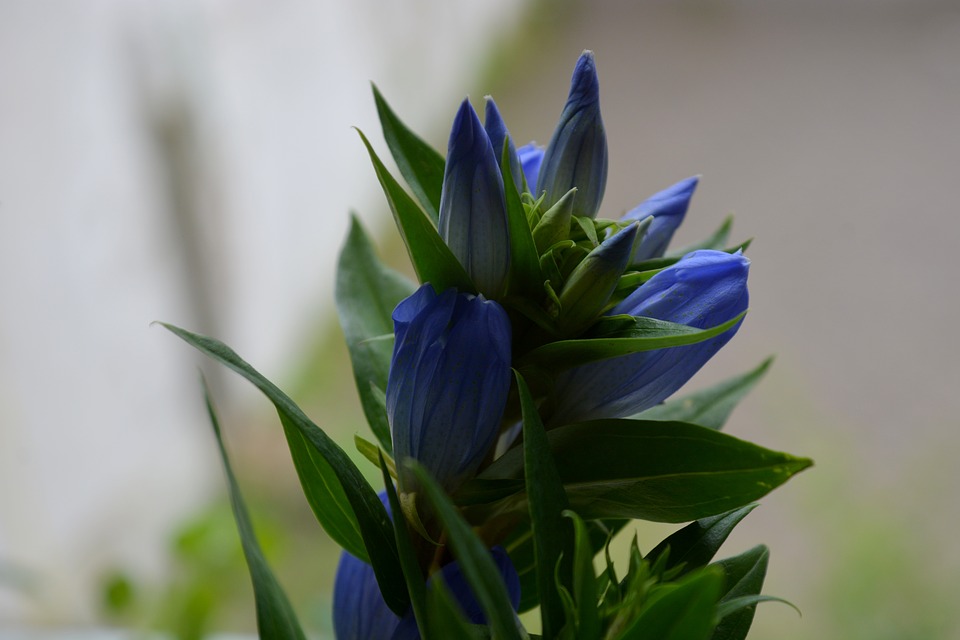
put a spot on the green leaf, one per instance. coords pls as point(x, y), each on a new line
point(584, 580)
point(684, 610)
point(716, 241)
point(525, 276)
point(633, 336)
point(372, 453)
point(474, 560)
point(444, 617)
point(432, 259)
point(744, 576)
point(710, 407)
point(345, 505)
point(412, 575)
point(276, 619)
point(552, 536)
point(659, 471)
point(419, 163)
point(695, 545)
point(367, 291)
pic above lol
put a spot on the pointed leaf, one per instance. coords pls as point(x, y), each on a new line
point(341, 499)
point(712, 406)
point(367, 292)
point(474, 560)
point(276, 619)
point(682, 611)
point(695, 545)
point(432, 259)
point(584, 580)
point(444, 617)
point(525, 276)
point(744, 576)
point(419, 163)
point(716, 241)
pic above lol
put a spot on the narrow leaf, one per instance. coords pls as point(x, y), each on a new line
point(367, 291)
point(695, 545)
point(547, 501)
point(335, 488)
point(525, 276)
point(682, 611)
point(276, 619)
point(716, 241)
point(584, 580)
point(419, 163)
point(444, 618)
point(744, 576)
point(474, 559)
point(712, 406)
point(432, 259)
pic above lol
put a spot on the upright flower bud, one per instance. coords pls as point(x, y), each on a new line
point(359, 612)
point(668, 208)
point(531, 156)
point(702, 290)
point(497, 132)
point(473, 211)
point(577, 153)
point(448, 382)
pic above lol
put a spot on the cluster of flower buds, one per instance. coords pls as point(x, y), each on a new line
point(564, 275)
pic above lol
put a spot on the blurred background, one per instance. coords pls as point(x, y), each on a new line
point(193, 162)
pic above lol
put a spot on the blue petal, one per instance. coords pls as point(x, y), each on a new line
point(473, 211)
point(668, 208)
point(704, 289)
point(497, 132)
point(577, 153)
point(531, 156)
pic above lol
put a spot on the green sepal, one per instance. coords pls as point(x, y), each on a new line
point(431, 257)
point(554, 225)
point(712, 406)
point(373, 453)
point(695, 545)
point(525, 275)
point(344, 503)
point(276, 619)
point(684, 610)
point(419, 163)
point(474, 559)
point(658, 471)
point(367, 291)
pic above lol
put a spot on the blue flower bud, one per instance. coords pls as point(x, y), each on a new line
point(359, 612)
point(473, 211)
point(448, 382)
point(497, 132)
point(577, 153)
point(531, 156)
point(704, 289)
point(668, 207)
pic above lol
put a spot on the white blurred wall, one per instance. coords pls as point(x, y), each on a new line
point(103, 442)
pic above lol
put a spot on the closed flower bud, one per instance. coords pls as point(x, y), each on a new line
point(704, 289)
point(473, 212)
point(448, 382)
point(360, 613)
point(587, 290)
point(531, 156)
point(497, 132)
point(577, 153)
point(668, 207)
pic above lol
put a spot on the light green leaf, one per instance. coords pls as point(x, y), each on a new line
point(659, 471)
point(695, 545)
point(432, 259)
point(474, 560)
point(345, 505)
point(419, 163)
point(367, 292)
point(276, 619)
point(710, 407)
point(685, 610)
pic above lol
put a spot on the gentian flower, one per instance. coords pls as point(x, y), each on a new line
point(473, 211)
point(577, 153)
point(497, 132)
point(703, 289)
point(668, 207)
point(448, 382)
point(531, 157)
point(359, 612)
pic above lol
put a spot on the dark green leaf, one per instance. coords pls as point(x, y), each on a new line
point(342, 500)
point(642, 334)
point(685, 610)
point(276, 619)
point(419, 163)
point(432, 259)
point(367, 292)
point(474, 559)
point(660, 471)
point(710, 407)
point(695, 545)
point(584, 580)
point(744, 576)
point(444, 618)
point(547, 501)
point(408, 557)
point(525, 277)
